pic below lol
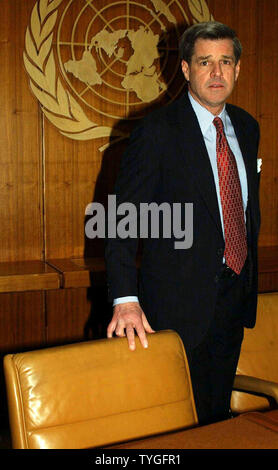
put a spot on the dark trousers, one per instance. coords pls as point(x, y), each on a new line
point(213, 363)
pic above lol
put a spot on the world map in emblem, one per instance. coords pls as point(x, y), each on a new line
point(124, 54)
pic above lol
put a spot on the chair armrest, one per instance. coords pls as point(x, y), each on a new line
point(256, 386)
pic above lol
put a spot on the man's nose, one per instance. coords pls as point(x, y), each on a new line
point(216, 70)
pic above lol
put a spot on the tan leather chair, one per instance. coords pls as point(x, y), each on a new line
point(97, 393)
point(257, 370)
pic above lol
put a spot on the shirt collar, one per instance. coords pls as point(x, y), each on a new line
point(205, 117)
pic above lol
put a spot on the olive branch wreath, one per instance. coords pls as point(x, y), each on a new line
point(56, 103)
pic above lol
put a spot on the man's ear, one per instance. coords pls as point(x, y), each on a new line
point(185, 69)
point(237, 70)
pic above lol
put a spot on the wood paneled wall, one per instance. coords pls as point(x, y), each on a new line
point(47, 180)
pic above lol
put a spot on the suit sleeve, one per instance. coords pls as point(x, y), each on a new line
point(136, 183)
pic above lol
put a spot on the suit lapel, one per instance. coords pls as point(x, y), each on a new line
point(243, 140)
point(194, 157)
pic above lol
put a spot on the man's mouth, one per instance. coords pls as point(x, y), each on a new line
point(216, 85)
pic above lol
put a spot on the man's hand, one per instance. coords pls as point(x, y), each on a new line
point(126, 318)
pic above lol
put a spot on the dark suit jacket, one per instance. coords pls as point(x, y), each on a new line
point(167, 161)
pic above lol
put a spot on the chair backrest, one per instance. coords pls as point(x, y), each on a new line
point(96, 393)
point(259, 353)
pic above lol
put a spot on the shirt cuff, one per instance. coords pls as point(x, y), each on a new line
point(123, 300)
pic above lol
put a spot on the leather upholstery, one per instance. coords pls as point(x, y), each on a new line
point(99, 392)
point(259, 357)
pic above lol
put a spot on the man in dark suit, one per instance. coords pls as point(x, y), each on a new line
point(182, 154)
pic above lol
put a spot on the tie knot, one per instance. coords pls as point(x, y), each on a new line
point(218, 124)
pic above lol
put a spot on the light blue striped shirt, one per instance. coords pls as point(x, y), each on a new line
point(205, 119)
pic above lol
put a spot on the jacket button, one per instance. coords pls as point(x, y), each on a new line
point(216, 279)
point(220, 251)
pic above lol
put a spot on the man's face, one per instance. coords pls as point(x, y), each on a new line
point(212, 72)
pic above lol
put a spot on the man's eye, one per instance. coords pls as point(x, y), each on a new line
point(204, 62)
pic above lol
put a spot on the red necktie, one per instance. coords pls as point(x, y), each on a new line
point(231, 199)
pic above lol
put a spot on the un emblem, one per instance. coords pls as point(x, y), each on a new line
point(91, 66)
